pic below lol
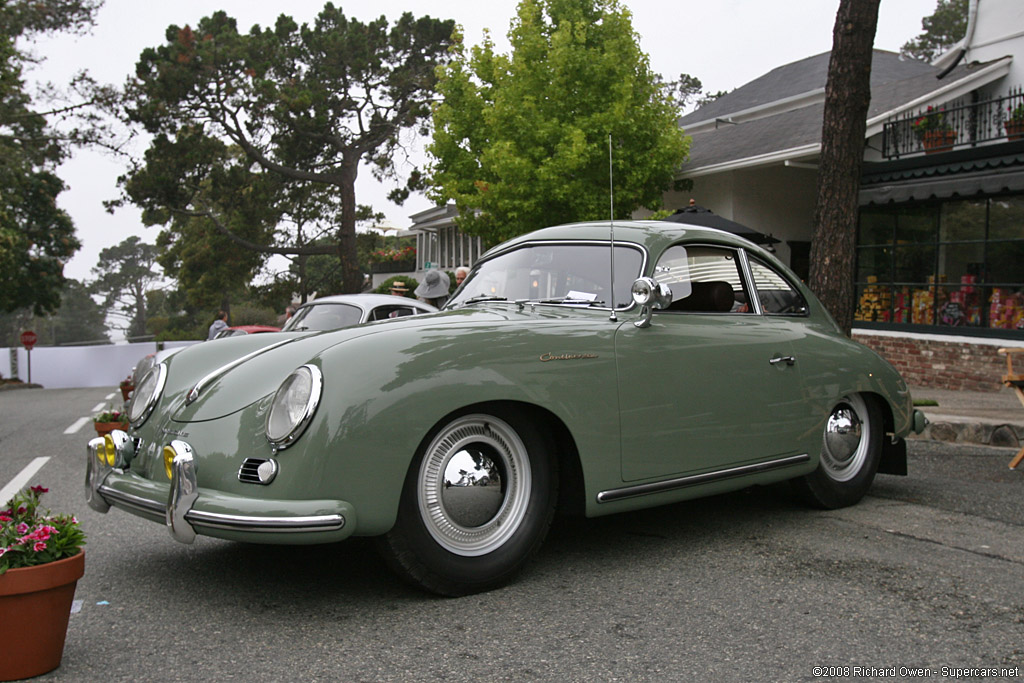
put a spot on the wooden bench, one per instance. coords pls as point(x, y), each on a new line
point(1015, 381)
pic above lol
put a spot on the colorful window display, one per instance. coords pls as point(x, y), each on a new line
point(951, 264)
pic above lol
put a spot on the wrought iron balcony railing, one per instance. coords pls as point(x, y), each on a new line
point(967, 122)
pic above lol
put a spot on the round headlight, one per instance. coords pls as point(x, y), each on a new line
point(146, 394)
point(144, 366)
point(293, 406)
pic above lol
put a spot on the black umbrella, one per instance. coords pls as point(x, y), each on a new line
point(698, 215)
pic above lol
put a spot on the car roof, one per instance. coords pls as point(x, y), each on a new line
point(368, 301)
point(255, 328)
point(651, 235)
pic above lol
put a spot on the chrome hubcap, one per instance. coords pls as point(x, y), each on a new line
point(845, 444)
point(474, 485)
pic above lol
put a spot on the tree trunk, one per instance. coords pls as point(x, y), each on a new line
point(351, 277)
point(847, 95)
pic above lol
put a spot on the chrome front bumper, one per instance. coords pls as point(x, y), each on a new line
point(186, 511)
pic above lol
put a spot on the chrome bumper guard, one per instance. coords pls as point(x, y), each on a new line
point(179, 514)
point(95, 474)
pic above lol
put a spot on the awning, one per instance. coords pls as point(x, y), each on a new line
point(993, 182)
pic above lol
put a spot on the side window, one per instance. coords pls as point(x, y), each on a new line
point(776, 294)
point(703, 279)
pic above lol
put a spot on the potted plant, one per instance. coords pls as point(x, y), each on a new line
point(934, 132)
point(1014, 122)
point(393, 259)
point(41, 560)
point(109, 420)
point(127, 388)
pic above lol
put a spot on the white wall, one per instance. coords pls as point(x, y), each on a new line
point(999, 32)
point(66, 367)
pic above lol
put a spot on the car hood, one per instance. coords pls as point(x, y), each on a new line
point(224, 381)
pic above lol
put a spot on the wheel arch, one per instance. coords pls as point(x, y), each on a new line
point(894, 450)
point(571, 496)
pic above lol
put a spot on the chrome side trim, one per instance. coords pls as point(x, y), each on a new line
point(201, 384)
point(216, 520)
point(754, 300)
point(697, 479)
point(127, 500)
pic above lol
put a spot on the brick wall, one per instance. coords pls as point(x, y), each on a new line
point(929, 362)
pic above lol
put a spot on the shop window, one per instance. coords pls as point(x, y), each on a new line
point(962, 221)
point(949, 264)
point(913, 262)
point(1006, 219)
point(916, 225)
point(876, 227)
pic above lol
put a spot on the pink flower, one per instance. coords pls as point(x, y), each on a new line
point(39, 546)
point(22, 528)
point(22, 510)
point(5, 517)
point(39, 489)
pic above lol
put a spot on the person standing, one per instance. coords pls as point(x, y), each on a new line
point(219, 324)
point(434, 288)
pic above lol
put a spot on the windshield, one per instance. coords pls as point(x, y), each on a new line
point(575, 273)
point(325, 316)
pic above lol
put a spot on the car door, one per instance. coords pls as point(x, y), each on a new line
point(711, 384)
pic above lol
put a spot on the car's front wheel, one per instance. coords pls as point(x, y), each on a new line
point(476, 504)
point(850, 451)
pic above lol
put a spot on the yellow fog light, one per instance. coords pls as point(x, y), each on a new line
point(108, 453)
point(168, 460)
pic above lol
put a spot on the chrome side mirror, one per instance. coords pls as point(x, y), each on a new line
point(651, 295)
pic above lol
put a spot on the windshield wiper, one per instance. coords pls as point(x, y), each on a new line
point(478, 299)
point(568, 300)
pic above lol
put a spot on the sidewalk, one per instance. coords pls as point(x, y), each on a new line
point(990, 418)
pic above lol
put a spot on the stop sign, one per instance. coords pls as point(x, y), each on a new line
point(29, 339)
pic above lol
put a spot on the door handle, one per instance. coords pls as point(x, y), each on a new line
point(788, 360)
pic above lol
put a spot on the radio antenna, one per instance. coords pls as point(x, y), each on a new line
point(611, 225)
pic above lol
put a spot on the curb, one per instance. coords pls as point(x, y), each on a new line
point(999, 435)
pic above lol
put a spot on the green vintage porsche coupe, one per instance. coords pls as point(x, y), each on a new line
point(590, 368)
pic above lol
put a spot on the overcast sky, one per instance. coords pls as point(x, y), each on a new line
point(724, 43)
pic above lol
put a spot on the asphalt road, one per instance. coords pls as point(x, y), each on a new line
point(927, 572)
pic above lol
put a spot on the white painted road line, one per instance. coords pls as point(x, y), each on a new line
point(79, 423)
point(20, 481)
point(111, 396)
point(99, 407)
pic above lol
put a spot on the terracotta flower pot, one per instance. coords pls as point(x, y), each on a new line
point(938, 141)
point(126, 391)
point(35, 604)
point(107, 427)
point(1014, 129)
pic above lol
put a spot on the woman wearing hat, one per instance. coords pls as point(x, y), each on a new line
point(434, 288)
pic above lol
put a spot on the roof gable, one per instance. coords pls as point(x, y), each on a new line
point(803, 77)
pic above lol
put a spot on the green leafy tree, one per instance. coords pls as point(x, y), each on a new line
point(942, 30)
point(689, 90)
point(124, 277)
point(78, 320)
point(36, 237)
point(521, 140)
point(303, 105)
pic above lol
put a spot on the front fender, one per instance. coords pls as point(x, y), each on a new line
point(384, 394)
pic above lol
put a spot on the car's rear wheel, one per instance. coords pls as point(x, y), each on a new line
point(850, 451)
point(476, 504)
